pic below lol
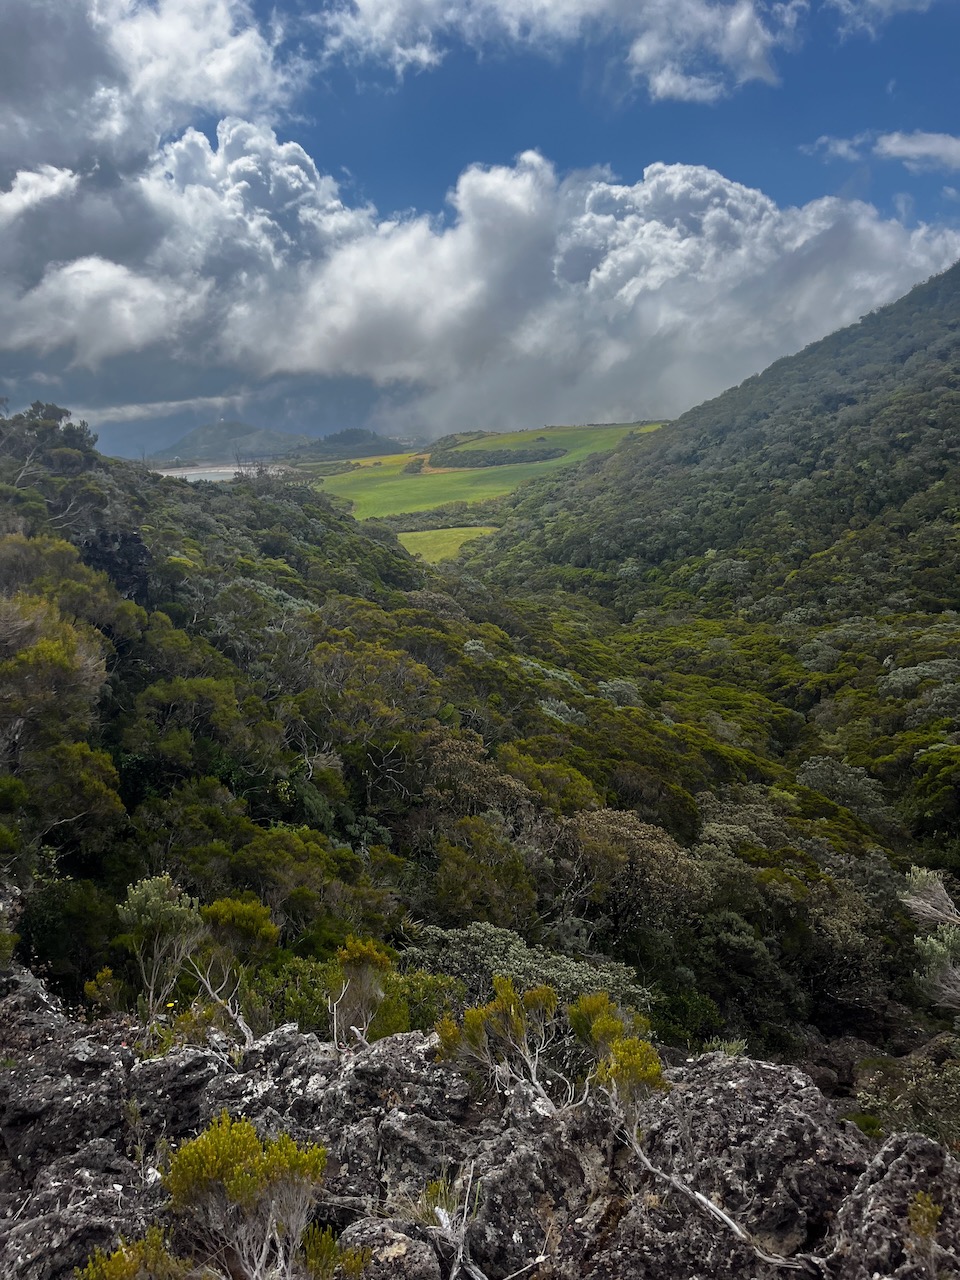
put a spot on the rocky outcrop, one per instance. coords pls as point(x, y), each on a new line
point(517, 1188)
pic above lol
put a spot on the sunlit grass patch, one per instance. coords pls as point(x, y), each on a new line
point(442, 544)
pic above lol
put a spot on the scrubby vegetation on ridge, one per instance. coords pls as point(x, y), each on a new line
point(361, 789)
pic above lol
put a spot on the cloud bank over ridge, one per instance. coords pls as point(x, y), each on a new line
point(145, 261)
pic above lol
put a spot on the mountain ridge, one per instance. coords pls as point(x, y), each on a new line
point(832, 441)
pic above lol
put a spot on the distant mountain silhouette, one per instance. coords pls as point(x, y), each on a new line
point(229, 442)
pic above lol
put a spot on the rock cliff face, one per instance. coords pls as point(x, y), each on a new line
point(552, 1196)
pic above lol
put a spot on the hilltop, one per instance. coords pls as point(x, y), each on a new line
point(232, 442)
point(229, 442)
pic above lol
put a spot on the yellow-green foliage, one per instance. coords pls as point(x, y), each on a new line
point(733, 1048)
point(521, 1037)
point(633, 1068)
point(448, 1029)
point(323, 1257)
point(300, 991)
point(360, 953)
point(627, 1064)
point(501, 1029)
point(146, 1259)
point(8, 944)
point(440, 1194)
point(191, 1025)
point(538, 1003)
point(425, 996)
point(103, 991)
point(244, 924)
point(231, 1157)
point(923, 1215)
point(597, 1022)
point(503, 1024)
point(359, 995)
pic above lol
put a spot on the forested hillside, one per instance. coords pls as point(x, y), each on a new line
point(698, 785)
point(830, 481)
point(811, 512)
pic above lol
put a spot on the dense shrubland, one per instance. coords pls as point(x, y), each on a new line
point(256, 764)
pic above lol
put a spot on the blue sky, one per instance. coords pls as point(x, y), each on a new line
point(404, 144)
point(425, 215)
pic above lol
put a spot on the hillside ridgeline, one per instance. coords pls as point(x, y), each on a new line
point(253, 755)
point(830, 481)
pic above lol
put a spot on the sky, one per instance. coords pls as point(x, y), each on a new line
point(423, 216)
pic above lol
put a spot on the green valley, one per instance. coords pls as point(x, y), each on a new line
point(385, 486)
point(677, 721)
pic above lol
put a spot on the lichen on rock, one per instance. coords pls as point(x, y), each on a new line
point(553, 1196)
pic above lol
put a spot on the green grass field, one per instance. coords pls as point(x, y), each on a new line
point(380, 488)
point(442, 544)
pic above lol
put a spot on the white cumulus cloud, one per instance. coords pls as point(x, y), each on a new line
point(96, 308)
point(155, 268)
point(30, 187)
point(92, 82)
point(920, 150)
point(537, 297)
point(694, 50)
point(186, 55)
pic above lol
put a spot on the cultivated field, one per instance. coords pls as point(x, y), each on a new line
point(442, 544)
point(380, 487)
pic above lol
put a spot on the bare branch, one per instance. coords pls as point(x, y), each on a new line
point(223, 988)
point(944, 987)
point(927, 899)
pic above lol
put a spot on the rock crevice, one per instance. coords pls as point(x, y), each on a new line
point(556, 1197)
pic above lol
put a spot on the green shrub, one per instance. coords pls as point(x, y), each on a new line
point(506, 1040)
point(426, 996)
point(474, 954)
point(866, 1123)
point(527, 1038)
point(735, 1048)
point(916, 1094)
point(244, 1199)
point(103, 991)
point(146, 1259)
point(633, 1067)
point(8, 944)
point(323, 1257)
